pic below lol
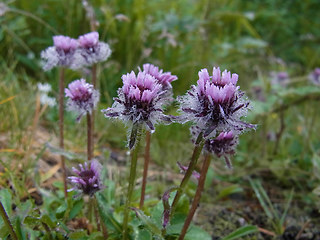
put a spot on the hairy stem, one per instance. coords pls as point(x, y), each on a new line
point(195, 156)
point(197, 197)
point(92, 117)
point(90, 137)
point(7, 222)
point(132, 178)
point(145, 168)
point(61, 135)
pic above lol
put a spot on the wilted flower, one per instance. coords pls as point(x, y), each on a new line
point(280, 78)
point(88, 179)
point(139, 102)
point(314, 77)
point(82, 97)
point(222, 146)
point(61, 54)
point(216, 104)
point(90, 50)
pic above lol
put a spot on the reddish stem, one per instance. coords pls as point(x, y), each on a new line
point(145, 168)
point(90, 137)
point(196, 200)
point(61, 135)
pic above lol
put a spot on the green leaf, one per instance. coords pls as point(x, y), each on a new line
point(47, 220)
point(106, 215)
point(80, 234)
point(6, 199)
point(229, 190)
point(4, 232)
point(61, 211)
point(76, 209)
point(148, 222)
point(197, 233)
point(240, 232)
point(31, 221)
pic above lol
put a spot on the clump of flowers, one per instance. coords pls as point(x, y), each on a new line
point(88, 179)
point(90, 50)
point(82, 97)
point(60, 54)
point(139, 102)
point(215, 104)
point(314, 77)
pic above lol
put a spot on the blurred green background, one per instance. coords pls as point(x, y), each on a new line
point(251, 38)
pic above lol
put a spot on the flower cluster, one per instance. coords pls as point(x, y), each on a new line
point(139, 102)
point(75, 53)
point(314, 77)
point(91, 50)
point(60, 54)
point(82, 97)
point(88, 180)
point(216, 104)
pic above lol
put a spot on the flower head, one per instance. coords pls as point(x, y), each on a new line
point(89, 40)
point(65, 43)
point(222, 146)
point(91, 50)
point(314, 77)
point(280, 78)
point(61, 54)
point(215, 104)
point(139, 102)
point(82, 97)
point(88, 179)
point(164, 78)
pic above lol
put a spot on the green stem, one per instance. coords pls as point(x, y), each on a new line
point(196, 199)
point(195, 156)
point(132, 179)
point(7, 222)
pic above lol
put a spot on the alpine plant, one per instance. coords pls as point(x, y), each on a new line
point(139, 102)
point(215, 104)
point(87, 180)
point(82, 97)
point(61, 54)
point(90, 50)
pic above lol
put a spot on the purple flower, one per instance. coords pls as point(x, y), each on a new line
point(61, 54)
point(91, 50)
point(88, 179)
point(222, 146)
point(65, 43)
point(184, 169)
point(280, 78)
point(164, 78)
point(314, 77)
point(216, 104)
point(82, 97)
point(89, 40)
point(139, 102)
